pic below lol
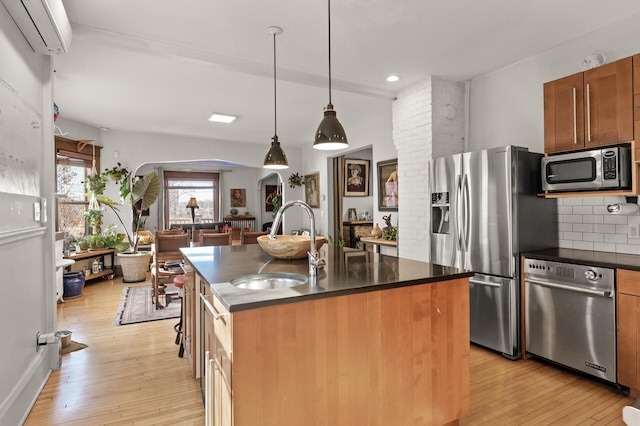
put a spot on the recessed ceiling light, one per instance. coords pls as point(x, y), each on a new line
point(393, 78)
point(221, 118)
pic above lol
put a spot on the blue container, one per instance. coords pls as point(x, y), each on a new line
point(73, 283)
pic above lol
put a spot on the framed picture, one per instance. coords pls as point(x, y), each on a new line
point(238, 197)
point(352, 214)
point(270, 192)
point(356, 178)
point(312, 190)
point(388, 185)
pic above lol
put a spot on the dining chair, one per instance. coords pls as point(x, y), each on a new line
point(167, 249)
point(215, 239)
point(247, 237)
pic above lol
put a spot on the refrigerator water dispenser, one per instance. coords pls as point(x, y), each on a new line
point(440, 212)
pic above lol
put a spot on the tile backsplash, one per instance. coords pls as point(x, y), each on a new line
point(584, 223)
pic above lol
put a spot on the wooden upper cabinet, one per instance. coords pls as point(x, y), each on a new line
point(636, 98)
point(589, 109)
point(563, 114)
point(608, 92)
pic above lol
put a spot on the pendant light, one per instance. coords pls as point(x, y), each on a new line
point(330, 134)
point(276, 158)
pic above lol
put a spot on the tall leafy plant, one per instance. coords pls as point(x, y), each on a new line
point(146, 191)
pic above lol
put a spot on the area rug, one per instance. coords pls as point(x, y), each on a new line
point(73, 346)
point(137, 306)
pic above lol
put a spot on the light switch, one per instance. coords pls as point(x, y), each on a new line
point(36, 211)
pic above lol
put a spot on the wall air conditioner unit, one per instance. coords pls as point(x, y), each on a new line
point(43, 23)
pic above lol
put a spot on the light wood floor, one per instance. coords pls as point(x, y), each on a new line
point(132, 375)
point(128, 375)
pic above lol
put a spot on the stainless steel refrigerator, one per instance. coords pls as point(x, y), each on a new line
point(484, 212)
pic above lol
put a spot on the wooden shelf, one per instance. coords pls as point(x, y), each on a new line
point(89, 254)
point(102, 273)
point(92, 254)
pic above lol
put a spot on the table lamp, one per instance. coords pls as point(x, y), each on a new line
point(193, 205)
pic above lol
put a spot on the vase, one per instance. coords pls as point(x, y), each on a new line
point(376, 232)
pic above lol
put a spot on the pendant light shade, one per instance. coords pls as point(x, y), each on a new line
point(330, 134)
point(275, 158)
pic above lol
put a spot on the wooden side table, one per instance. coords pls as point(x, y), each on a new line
point(89, 255)
point(353, 231)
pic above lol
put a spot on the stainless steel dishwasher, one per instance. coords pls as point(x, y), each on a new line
point(570, 314)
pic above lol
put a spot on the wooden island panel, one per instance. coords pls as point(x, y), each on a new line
point(397, 356)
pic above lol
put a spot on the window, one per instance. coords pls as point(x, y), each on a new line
point(180, 187)
point(74, 160)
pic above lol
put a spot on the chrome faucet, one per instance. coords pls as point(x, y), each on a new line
point(314, 257)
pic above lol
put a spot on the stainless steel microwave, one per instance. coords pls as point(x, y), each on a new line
point(596, 169)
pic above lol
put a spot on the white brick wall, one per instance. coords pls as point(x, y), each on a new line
point(428, 122)
point(583, 223)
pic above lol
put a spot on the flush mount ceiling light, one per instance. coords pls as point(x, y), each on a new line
point(221, 118)
point(275, 158)
point(330, 134)
point(393, 78)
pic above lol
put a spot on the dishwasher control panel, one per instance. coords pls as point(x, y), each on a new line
point(569, 272)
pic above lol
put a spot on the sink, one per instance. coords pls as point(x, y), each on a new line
point(269, 281)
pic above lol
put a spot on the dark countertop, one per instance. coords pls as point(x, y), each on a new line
point(346, 272)
point(587, 257)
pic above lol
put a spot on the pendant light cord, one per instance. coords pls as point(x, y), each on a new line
point(275, 95)
point(329, 21)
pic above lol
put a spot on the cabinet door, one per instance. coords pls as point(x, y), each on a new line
point(608, 94)
point(564, 114)
point(222, 399)
point(628, 328)
point(636, 99)
point(208, 339)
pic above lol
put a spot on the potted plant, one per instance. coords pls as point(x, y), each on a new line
point(83, 243)
point(117, 172)
point(145, 192)
point(113, 239)
point(295, 180)
point(121, 175)
point(276, 201)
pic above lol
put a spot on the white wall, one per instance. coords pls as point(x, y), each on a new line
point(507, 104)
point(507, 109)
point(137, 149)
point(26, 257)
point(375, 132)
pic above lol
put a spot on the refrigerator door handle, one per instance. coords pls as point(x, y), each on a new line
point(466, 212)
point(458, 198)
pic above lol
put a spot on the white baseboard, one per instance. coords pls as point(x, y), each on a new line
point(15, 408)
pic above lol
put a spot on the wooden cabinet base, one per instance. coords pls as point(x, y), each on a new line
point(391, 357)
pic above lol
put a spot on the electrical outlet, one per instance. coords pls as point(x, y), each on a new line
point(633, 228)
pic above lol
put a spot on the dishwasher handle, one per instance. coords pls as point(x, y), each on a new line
point(209, 307)
point(604, 293)
point(484, 283)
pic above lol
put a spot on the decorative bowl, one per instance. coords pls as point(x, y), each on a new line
point(288, 246)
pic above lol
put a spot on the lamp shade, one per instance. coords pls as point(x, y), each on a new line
point(193, 203)
point(275, 158)
point(330, 134)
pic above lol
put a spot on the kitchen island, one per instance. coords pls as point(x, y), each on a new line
point(376, 340)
